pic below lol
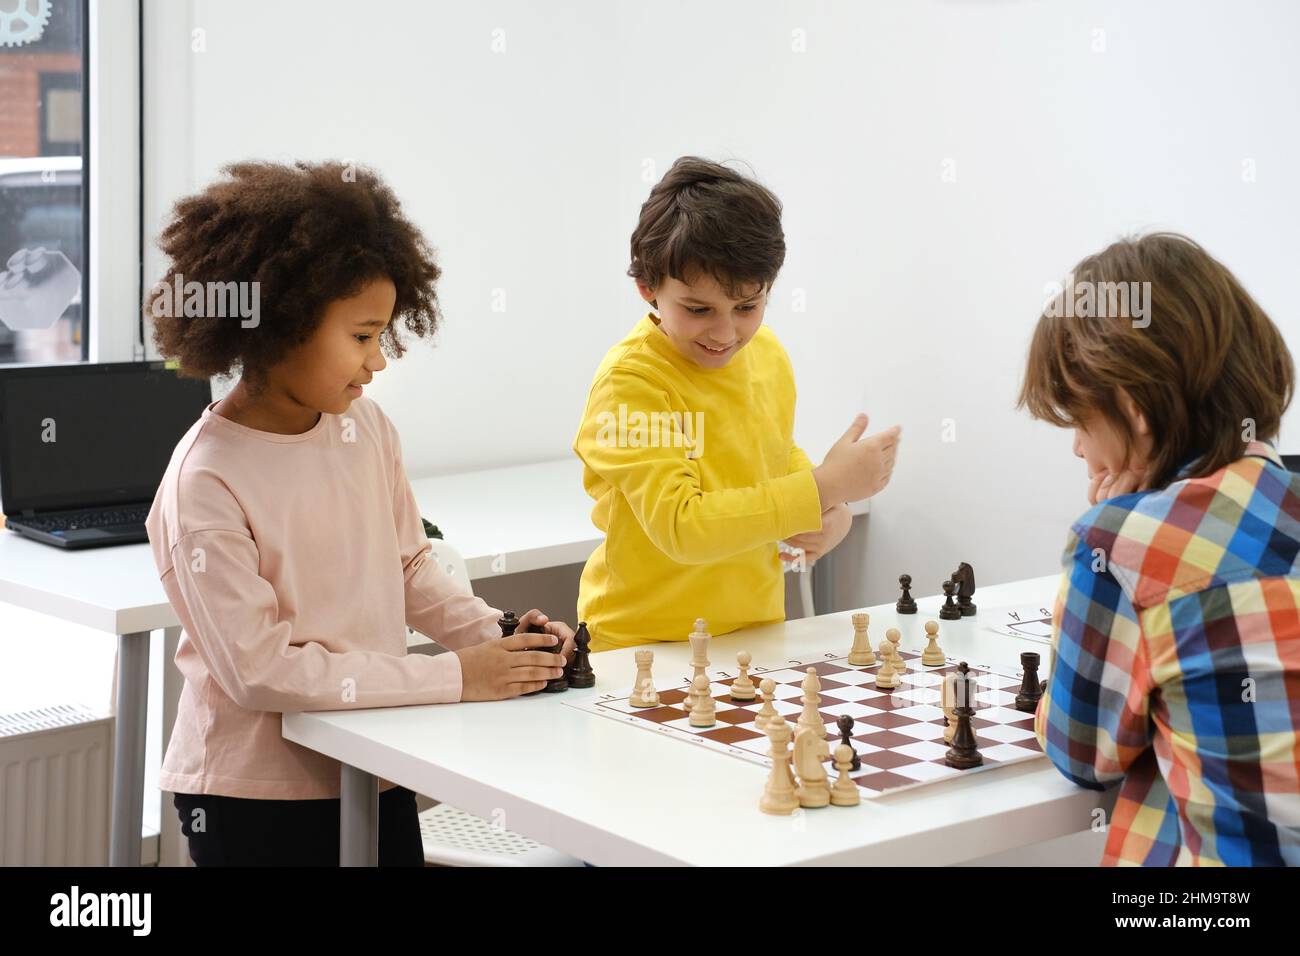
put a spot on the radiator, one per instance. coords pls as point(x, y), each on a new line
point(55, 776)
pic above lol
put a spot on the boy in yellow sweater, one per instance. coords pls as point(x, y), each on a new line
point(687, 437)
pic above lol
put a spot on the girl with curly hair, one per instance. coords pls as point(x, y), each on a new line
point(285, 531)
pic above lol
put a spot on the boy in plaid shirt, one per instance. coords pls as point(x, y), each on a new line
point(1177, 645)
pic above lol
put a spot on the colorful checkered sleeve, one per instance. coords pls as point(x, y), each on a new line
point(1177, 667)
point(1093, 720)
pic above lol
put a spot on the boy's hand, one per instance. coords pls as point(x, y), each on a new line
point(836, 522)
point(557, 628)
point(1105, 484)
point(854, 469)
point(508, 667)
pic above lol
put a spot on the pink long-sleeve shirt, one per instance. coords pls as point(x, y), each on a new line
point(295, 563)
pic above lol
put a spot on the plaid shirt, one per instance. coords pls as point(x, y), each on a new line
point(1177, 667)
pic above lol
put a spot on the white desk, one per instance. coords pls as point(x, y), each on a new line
point(613, 794)
point(504, 520)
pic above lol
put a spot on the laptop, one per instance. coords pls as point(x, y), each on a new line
point(84, 447)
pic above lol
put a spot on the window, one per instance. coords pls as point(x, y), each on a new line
point(42, 188)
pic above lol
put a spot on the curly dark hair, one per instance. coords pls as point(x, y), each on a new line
point(309, 233)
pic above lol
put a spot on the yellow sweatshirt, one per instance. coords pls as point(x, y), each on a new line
point(696, 478)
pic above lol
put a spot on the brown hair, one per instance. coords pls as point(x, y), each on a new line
point(704, 217)
point(1202, 359)
point(309, 233)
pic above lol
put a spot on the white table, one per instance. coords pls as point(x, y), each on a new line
point(503, 520)
point(613, 794)
point(114, 590)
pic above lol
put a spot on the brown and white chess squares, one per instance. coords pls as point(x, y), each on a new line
point(861, 655)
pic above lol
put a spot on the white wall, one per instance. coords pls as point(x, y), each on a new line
point(527, 167)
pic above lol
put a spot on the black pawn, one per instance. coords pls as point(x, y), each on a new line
point(579, 672)
point(508, 624)
point(1031, 691)
point(950, 611)
point(963, 754)
point(906, 604)
point(964, 578)
point(845, 723)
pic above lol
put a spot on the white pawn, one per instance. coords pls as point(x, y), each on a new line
point(644, 658)
point(932, 656)
point(886, 677)
point(893, 635)
point(811, 717)
point(860, 655)
point(742, 688)
point(703, 711)
point(845, 792)
point(767, 713)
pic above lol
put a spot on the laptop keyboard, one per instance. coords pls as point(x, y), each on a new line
point(74, 520)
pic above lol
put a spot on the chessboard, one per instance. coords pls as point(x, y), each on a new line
point(898, 734)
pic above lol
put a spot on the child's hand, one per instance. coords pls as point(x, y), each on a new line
point(500, 669)
point(852, 469)
point(1106, 484)
point(836, 522)
point(557, 628)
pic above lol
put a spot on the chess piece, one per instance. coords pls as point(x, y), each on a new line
point(703, 711)
point(779, 793)
point(964, 578)
point(948, 702)
point(894, 637)
point(699, 639)
point(1030, 690)
point(963, 753)
point(646, 694)
point(809, 749)
point(508, 624)
point(639, 698)
point(860, 655)
point(766, 713)
point(579, 672)
point(742, 688)
point(886, 678)
point(811, 717)
point(845, 792)
point(845, 723)
point(556, 685)
point(932, 656)
point(906, 604)
point(950, 611)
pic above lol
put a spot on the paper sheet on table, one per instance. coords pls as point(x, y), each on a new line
point(1028, 621)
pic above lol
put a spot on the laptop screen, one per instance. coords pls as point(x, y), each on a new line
point(75, 436)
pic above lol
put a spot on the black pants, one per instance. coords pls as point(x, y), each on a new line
point(234, 831)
